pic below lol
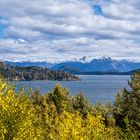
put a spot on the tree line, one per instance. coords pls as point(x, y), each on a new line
point(33, 73)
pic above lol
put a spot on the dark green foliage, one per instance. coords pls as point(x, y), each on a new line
point(127, 105)
point(60, 98)
point(33, 73)
point(107, 113)
point(81, 104)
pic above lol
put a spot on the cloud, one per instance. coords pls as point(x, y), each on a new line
point(70, 28)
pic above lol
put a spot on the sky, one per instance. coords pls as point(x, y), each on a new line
point(67, 29)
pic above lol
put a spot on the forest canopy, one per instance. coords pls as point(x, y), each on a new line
point(34, 73)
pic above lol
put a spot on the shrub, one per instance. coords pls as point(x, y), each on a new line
point(16, 114)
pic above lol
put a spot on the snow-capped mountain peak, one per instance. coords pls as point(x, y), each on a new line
point(84, 64)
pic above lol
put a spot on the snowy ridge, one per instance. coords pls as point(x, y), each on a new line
point(84, 59)
point(84, 64)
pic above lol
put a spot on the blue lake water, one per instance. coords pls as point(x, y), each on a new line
point(96, 87)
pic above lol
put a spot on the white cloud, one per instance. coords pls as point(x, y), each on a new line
point(70, 28)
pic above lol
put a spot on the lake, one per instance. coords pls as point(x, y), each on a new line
point(96, 87)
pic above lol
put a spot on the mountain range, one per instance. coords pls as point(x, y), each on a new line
point(103, 64)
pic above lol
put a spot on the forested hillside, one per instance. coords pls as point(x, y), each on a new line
point(33, 73)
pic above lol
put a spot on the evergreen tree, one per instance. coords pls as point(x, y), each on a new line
point(59, 97)
point(127, 105)
point(81, 104)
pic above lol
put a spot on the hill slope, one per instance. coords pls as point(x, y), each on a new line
point(33, 73)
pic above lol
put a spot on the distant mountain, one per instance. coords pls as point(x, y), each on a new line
point(83, 65)
point(30, 63)
point(105, 64)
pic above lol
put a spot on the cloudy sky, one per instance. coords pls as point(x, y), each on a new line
point(65, 29)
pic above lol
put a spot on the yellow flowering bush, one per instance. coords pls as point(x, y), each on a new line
point(72, 126)
point(16, 115)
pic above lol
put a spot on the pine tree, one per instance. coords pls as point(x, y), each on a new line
point(127, 104)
